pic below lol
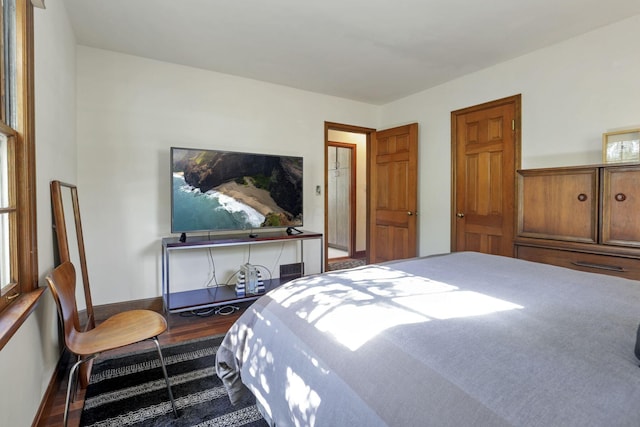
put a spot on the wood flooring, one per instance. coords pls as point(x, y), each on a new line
point(182, 327)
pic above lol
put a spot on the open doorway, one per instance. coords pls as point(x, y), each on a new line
point(346, 196)
point(342, 208)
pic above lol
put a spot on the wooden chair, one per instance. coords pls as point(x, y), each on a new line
point(120, 330)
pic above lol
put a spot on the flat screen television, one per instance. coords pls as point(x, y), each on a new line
point(215, 190)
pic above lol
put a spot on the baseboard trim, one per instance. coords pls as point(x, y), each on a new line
point(360, 254)
point(49, 395)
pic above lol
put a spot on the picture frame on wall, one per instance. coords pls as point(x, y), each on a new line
point(621, 146)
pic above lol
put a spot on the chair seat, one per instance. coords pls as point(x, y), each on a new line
point(118, 331)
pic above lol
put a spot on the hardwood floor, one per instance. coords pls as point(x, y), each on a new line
point(182, 328)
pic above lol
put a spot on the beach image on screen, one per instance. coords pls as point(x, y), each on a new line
point(224, 190)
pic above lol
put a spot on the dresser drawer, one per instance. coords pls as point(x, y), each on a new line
point(628, 268)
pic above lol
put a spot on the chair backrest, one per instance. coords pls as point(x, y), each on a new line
point(62, 282)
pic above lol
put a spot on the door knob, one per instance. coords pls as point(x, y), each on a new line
point(409, 213)
point(460, 215)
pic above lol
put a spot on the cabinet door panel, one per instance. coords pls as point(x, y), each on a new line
point(621, 206)
point(559, 204)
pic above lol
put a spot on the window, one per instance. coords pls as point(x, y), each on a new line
point(7, 221)
point(18, 248)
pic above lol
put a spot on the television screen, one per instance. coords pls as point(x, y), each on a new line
point(215, 190)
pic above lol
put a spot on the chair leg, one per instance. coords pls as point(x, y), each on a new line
point(74, 391)
point(70, 386)
point(166, 376)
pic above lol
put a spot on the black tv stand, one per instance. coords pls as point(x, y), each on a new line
point(199, 298)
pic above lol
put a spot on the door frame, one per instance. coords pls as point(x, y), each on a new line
point(516, 100)
point(368, 132)
point(352, 194)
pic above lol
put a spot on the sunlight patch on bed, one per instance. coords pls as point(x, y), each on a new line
point(303, 400)
point(357, 305)
point(450, 305)
point(361, 313)
point(354, 325)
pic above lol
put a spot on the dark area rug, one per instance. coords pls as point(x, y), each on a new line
point(345, 263)
point(130, 390)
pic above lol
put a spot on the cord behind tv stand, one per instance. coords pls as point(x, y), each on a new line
point(175, 302)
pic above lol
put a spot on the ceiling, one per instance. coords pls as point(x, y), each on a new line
point(375, 51)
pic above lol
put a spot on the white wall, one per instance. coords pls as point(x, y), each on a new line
point(131, 110)
point(572, 92)
point(35, 345)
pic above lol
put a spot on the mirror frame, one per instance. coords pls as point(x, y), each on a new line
point(60, 229)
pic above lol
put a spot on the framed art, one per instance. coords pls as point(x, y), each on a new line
point(621, 146)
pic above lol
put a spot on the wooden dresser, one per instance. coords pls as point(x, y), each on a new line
point(582, 217)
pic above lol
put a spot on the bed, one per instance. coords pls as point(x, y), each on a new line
point(463, 339)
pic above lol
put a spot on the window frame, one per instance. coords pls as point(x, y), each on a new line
point(25, 239)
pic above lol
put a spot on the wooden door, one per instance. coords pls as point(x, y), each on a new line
point(393, 194)
point(485, 156)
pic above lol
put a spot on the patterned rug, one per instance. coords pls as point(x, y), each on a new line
point(345, 263)
point(130, 390)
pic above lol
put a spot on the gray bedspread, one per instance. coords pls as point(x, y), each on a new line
point(464, 339)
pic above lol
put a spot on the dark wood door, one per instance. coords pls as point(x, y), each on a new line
point(485, 150)
point(394, 194)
